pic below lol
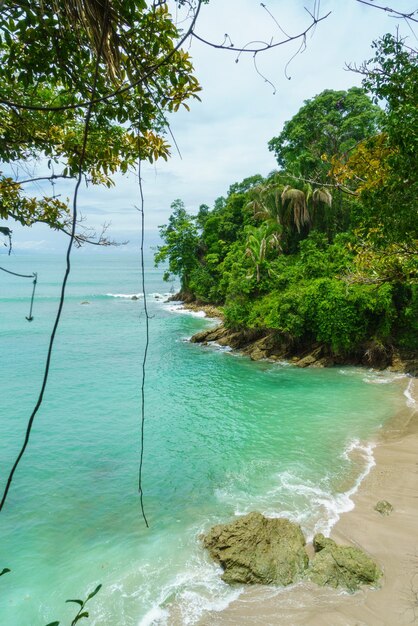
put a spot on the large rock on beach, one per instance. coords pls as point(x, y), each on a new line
point(254, 549)
point(341, 566)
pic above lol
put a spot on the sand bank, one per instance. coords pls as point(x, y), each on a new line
point(391, 540)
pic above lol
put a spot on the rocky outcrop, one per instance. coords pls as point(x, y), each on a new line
point(254, 549)
point(225, 337)
point(267, 344)
point(341, 566)
point(259, 344)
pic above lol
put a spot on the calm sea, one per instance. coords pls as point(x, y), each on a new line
point(223, 436)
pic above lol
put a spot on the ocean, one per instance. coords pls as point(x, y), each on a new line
point(223, 436)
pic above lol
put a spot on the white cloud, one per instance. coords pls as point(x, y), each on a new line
point(27, 244)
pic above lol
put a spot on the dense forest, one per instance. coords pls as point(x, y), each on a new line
point(321, 253)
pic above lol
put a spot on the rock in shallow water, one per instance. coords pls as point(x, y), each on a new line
point(254, 549)
point(341, 566)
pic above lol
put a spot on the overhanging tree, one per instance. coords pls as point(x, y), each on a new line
point(48, 54)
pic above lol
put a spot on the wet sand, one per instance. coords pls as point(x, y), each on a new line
point(391, 540)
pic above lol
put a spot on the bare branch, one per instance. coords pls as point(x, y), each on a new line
point(394, 12)
point(321, 184)
point(88, 235)
point(265, 46)
point(13, 183)
point(266, 80)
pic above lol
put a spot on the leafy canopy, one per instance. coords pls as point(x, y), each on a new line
point(331, 259)
point(329, 124)
point(181, 244)
point(48, 56)
point(383, 170)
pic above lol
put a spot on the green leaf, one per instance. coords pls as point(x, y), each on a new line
point(93, 593)
point(80, 602)
point(79, 617)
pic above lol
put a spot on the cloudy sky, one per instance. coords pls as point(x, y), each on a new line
point(224, 138)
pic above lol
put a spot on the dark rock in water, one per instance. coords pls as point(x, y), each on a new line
point(134, 298)
point(211, 334)
point(383, 507)
point(85, 302)
point(341, 566)
point(254, 549)
point(269, 344)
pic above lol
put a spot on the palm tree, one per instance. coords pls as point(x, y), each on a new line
point(264, 202)
point(288, 206)
point(294, 207)
point(321, 214)
point(258, 242)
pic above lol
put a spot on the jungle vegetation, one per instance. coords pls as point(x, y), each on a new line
point(323, 249)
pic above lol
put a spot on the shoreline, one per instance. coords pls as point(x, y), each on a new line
point(390, 540)
point(261, 345)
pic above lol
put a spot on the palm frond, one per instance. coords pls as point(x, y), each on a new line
point(98, 19)
point(296, 208)
point(322, 195)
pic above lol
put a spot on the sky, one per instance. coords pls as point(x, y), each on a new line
point(223, 139)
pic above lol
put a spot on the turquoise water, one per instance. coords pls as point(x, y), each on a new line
point(223, 436)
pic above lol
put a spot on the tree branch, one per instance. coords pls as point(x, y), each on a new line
point(119, 91)
point(406, 16)
point(13, 183)
point(265, 46)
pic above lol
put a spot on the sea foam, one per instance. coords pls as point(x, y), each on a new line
point(178, 307)
point(190, 594)
point(313, 505)
point(128, 296)
point(408, 393)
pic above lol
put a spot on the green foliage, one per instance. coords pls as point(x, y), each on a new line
point(246, 184)
point(203, 284)
point(236, 314)
point(286, 255)
point(82, 614)
point(259, 242)
point(281, 311)
point(294, 208)
point(81, 603)
point(181, 245)
point(392, 78)
point(48, 57)
point(324, 310)
point(406, 331)
point(235, 273)
point(329, 124)
point(344, 316)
